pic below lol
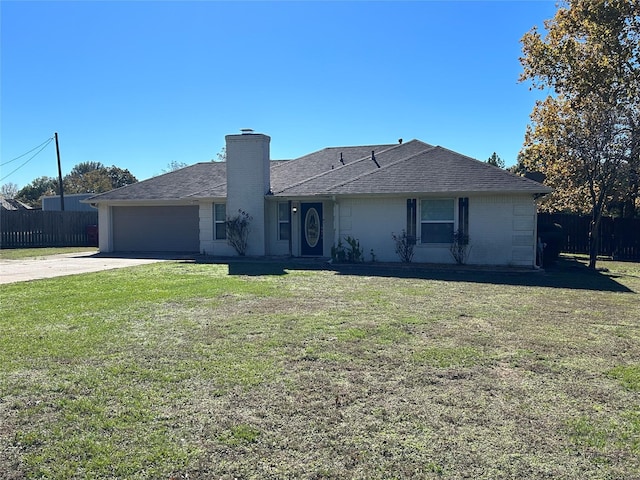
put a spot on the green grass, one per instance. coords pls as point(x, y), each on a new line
point(629, 375)
point(181, 370)
point(21, 253)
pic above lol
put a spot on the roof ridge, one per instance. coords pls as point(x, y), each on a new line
point(361, 159)
point(389, 165)
point(359, 146)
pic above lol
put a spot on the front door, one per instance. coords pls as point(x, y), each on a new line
point(311, 241)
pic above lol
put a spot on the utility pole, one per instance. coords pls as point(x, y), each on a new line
point(60, 174)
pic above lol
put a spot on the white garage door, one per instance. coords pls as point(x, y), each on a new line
point(156, 229)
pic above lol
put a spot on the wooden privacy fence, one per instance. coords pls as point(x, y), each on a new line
point(619, 237)
point(38, 228)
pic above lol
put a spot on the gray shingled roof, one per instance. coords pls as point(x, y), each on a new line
point(321, 183)
point(412, 167)
point(403, 170)
point(202, 180)
point(285, 174)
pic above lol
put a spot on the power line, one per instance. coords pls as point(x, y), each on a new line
point(47, 141)
point(43, 145)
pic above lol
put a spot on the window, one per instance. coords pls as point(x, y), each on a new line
point(284, 221)
point(219, 221)
point(436, 220)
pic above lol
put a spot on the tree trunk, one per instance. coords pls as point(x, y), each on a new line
point(594, 237)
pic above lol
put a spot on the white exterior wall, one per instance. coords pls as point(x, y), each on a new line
point(328, 233)
point(105, 232)
point(248, 181)
point(296, 227)
point(206, 228)
point(502, 229)
point(371, 221)
point(208, 244)
point(274, 245)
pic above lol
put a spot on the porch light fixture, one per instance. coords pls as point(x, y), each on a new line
point(294, 209)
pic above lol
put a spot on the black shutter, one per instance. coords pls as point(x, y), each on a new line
point(290, 228)
point(411, 220)
point(463, 220)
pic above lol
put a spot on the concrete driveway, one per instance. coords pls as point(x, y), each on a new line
point(12, 271)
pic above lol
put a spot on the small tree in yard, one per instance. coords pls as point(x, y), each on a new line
point(238, 231)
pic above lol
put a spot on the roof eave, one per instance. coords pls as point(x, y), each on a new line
point(151, 201)
point(460, 193)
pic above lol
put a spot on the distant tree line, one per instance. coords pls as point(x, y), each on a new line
point(85, 177)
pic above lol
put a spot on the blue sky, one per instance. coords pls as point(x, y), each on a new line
point(141, 84)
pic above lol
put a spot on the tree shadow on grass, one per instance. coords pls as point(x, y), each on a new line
point(257, 268)
point(565, 273)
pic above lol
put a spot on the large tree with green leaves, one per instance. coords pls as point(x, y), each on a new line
point(120, 177)
point(31, 193)
point(94, 177)
point(85, 177)
point(585, 137)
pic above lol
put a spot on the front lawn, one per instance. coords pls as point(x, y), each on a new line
point(186, 370)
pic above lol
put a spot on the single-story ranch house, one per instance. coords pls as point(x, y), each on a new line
point(306, 206)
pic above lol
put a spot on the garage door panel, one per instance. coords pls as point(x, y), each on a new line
point(156, 229)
